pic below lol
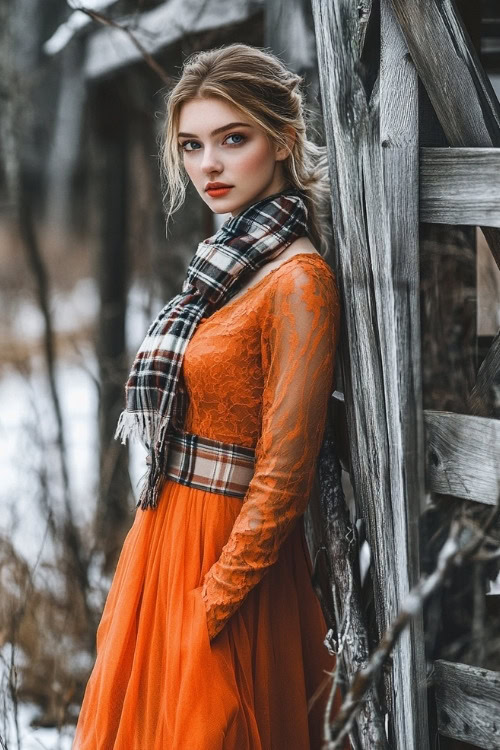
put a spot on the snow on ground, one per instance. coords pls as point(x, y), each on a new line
point(42, 738)
point(14, 728)
point(27, 424)
point(35, 738)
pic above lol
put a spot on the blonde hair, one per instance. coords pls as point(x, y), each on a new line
point(259, 85)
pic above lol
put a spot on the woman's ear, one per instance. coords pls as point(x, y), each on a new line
point(284, 151)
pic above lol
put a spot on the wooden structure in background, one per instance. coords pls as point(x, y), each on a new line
point(382, 65)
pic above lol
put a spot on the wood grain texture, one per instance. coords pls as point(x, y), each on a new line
point(463, 456)
point(460, 186)
point(468, 703)
point(395, 257)
point(462, 94)
point(377, 282)
point(344, 108)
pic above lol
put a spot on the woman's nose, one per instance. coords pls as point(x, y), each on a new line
point(210, 161)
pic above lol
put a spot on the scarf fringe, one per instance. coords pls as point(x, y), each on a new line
point(132, 425)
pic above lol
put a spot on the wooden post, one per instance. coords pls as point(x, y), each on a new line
point(374, 169)
point(399, 141)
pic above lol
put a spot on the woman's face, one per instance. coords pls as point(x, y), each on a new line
point(220, 145)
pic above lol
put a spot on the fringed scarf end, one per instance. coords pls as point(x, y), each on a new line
point(131, 425)
point(125, 426)
point(151, 491)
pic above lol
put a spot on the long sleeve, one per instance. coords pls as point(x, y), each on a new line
point(300, 326)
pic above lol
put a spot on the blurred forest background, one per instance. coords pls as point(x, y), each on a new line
point(85, 265)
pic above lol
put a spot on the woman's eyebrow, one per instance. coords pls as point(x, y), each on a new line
point(217, 130)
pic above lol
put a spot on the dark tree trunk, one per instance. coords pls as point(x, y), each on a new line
point(112, 271)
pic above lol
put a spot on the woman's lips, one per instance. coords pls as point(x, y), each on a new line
point(218, 192)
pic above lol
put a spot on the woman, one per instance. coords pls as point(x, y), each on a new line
point(212, 636)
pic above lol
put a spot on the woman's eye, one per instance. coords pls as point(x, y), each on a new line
point(237, 135)
point(187, 143)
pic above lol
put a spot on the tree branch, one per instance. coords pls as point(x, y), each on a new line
point(148, 59)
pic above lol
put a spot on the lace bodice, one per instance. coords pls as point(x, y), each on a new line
point(259, 372)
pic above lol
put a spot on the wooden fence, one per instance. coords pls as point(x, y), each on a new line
point(383, 186)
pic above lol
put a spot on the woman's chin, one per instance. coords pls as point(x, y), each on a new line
point(221, 205)
point(228, 204)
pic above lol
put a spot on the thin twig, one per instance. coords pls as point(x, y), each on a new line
point(149, 59)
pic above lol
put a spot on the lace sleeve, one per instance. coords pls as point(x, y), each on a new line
point(299, 337)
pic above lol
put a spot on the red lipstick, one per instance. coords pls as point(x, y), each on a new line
point(217, 189)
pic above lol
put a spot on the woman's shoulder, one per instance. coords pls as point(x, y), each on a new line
point(299, 256)
point(303, 262)
point(300, 295)
point(299, 248)
point(303, 269)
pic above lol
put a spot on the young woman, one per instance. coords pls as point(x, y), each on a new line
point(212, 635)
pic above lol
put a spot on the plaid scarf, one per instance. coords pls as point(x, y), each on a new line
point(155, 397)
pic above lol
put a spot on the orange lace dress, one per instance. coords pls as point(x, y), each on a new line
point(212, 636)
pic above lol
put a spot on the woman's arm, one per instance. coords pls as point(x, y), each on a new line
point(299, 335)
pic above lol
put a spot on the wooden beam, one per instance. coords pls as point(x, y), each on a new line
point(367, 155)
point(462, 456)
point(451, 72)
point(458, 87)
point(468, 700)
point(460, 186)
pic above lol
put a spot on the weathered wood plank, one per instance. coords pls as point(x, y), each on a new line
point(363, 206)
point(395, 259)
point(468, 703)
point(353, 271)
point(463, 455)
point(462, 94)
point(460, 186)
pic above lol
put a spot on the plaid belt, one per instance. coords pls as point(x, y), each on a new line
point(224, 468)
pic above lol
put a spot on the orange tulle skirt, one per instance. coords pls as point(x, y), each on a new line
point(159, 683)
